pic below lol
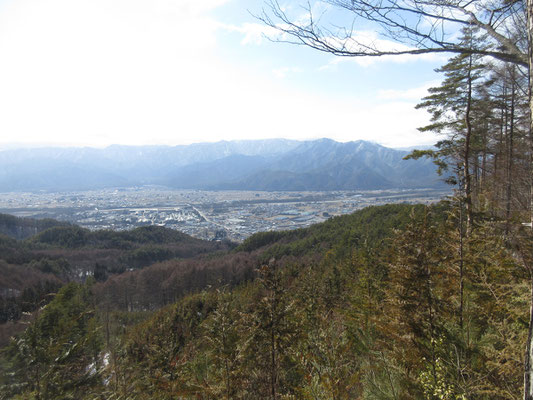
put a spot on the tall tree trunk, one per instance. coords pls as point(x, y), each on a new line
point(466, 153)
point(484, 158)
point(510, 156)
point(530, 84)
point(528, 362)
point(461, 266)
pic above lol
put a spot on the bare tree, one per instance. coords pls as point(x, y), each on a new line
point(427, 26)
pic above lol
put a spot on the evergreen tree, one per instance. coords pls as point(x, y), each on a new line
point(58, 355)
point(273, 332)
point(452, 108)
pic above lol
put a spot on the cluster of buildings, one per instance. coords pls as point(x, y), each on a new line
point(211, 215)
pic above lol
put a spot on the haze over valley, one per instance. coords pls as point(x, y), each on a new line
point(209, 215)
point(223, 190)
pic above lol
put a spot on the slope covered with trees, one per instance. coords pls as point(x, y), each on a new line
point(391, 302)
point(33, 269)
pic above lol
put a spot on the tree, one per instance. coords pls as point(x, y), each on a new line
point(417, 27)
point(221, 333)
point(58, 355)
point(421, 27)
point(452, 107)
point(272, 332)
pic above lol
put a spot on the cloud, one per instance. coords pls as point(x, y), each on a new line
point(121, 68)
point(284, 71)
point(370, 41)
point(416, 93)
point(97, 72)
point(392, 123)
point(253, 33)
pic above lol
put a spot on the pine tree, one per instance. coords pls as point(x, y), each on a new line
point(58, 355)
point(222, 334)
point(452, 108)
point(272, 333)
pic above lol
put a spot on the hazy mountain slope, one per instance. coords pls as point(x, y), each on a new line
point(52, 175)
point(211, 174)
point(328, 165)
point(334, 178)
point(275, 164)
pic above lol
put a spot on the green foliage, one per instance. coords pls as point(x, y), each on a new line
point(76, 237)
point(58, 267)
point(435, 156)
point(64, 236)
point(386, 312)
point(222, 334)
point(58, 355)
point(262, 239)
point(371, 224)
point(21, 228)
point(147, 255)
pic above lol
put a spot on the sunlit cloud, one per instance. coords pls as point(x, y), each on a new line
point(253, 33)
point(416, 93)
point(370, 42)
point(283, 72)
point(97, 72)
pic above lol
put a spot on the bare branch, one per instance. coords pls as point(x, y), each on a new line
point(418, 26)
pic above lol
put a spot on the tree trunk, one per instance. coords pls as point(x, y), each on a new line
point(528, 362)
point(530, 83)
point(510, 156)
point(466, 153)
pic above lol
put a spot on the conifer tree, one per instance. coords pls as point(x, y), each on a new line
point(58, 355)
point(451, 106)
point(272, 333)
point(222, 333)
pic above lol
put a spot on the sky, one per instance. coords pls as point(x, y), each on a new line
point(168, 72)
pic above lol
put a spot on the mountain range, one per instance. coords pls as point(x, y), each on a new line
point(275, 164)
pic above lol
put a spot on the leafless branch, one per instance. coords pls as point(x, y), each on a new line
point(420, 26)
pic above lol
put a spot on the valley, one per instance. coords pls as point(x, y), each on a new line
point(208, 215)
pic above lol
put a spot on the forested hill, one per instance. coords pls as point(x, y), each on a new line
point(22, 228)
point(150, 267)
point(167, 281)
point(33, 268)
point(389, 302)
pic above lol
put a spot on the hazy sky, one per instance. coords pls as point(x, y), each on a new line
point(98, 72)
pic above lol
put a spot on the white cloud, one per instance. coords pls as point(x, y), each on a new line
point(96, 72)
point(392, 123)
point(121, 68)
point(415, 94)
point(254, 33)
point(284, 71)
point(369, 41)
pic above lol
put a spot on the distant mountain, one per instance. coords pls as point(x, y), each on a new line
point(328, 165)
point(275, 164)
point(216, 173)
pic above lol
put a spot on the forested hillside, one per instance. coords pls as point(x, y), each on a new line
point(391, 302)
point(32, 269)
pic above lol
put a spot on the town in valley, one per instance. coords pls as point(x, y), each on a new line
point(209, 215)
